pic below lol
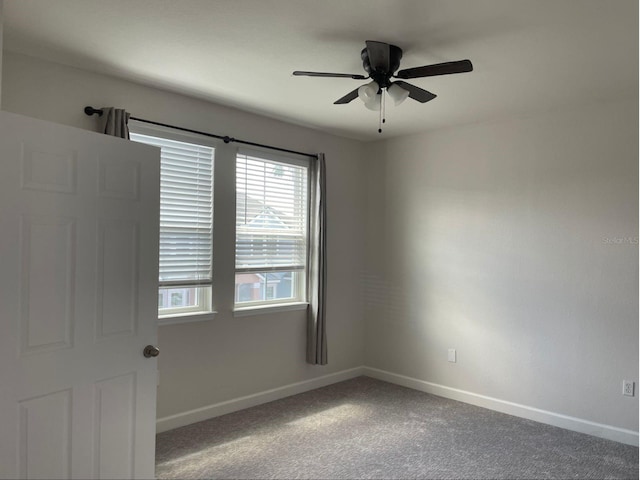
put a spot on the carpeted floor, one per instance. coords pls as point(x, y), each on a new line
point(366, 428)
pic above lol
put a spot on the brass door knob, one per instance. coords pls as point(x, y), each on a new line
point(151, 351)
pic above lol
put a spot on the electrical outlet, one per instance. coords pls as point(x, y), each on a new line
point(628, 388)
point(451, 355)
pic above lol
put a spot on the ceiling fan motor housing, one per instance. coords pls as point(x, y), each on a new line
point(382, 76)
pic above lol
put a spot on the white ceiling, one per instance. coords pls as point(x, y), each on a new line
point(528, 55)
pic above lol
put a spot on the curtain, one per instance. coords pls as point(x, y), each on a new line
point(317, 261)
point(114, 122)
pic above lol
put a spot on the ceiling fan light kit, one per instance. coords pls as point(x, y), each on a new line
point(381, 60)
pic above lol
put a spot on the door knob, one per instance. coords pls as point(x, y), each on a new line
point(151, 351)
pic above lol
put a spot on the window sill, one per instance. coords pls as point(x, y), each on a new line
point(266, 309)
point(186, 318)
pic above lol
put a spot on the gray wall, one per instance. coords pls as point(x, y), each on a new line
point(515, 243)
point(210, 362)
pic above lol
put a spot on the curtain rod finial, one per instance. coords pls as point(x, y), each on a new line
point(92, 111)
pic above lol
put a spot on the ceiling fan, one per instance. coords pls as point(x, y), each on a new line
point(381, 60)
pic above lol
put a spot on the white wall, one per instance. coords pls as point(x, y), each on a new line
point(515, 243)
point(210, 362)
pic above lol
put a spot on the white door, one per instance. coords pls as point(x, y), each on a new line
point(79, 219)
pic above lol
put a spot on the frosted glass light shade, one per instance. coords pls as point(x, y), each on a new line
point(374, 103)
point(367, 93)
point(397, 93)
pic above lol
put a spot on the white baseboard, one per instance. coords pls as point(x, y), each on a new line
point(204, 413)
point(543, 416)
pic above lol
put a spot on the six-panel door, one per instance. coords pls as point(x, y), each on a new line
point(79, 219)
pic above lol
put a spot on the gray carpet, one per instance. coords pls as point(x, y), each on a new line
point(366, 428)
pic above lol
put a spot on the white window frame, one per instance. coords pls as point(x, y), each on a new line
point(204, 309)
point(204, 304)
point(300, 298)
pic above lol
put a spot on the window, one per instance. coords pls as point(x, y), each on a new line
point(271, 230)
point(186, 224)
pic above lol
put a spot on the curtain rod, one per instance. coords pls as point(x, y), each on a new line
point(97, 111)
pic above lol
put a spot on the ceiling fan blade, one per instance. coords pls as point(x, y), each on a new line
point(446, 68)
point(416, 93)
point(331, 75)
point(347, 98)
point(379, 55)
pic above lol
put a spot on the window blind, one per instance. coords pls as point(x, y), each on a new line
point(186, 211)
point(271, 215)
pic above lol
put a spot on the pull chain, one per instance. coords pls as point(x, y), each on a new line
point(382, 119)
point(384, 101)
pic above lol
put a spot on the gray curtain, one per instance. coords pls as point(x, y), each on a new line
point(316, 324)
point(114, 121)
